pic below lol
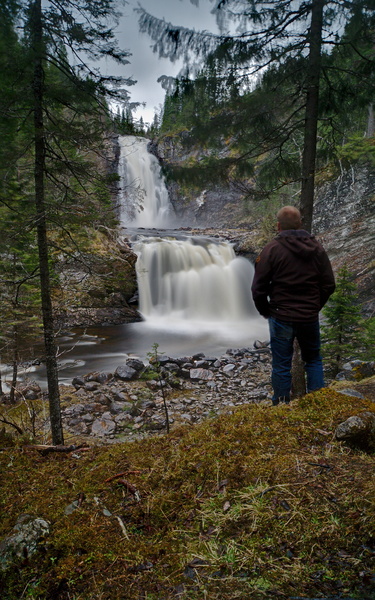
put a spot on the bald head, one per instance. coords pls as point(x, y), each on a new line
point(289, 217)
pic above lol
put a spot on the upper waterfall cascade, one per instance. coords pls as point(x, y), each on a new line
point(144, 196)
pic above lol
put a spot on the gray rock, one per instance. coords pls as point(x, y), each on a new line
point(204, 374)
point(341, 376)
point(347, 367)
point(258, 344)
point(186, 417)
point(147, 404)
point(81, 393)
point(358, 429)
point(74, 410)
point(32, 393)
point(99, 377)
point(123, 419)
point(91, 386)
point(103, 427)
point(135, 363)
point(201, 364)
point(24, 541)
point(349, 392)
point(87, 418)
point(71, 507)
point(78, 382)
point(155, 385)
point(172, 367)
point(119, 396)
point(118, 407)
point(80, 427)
point(185, 373)
point(156, 425)
point(229, 369)
point(182, 360)
point(126, 373)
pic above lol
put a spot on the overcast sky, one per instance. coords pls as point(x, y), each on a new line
point(145, 66)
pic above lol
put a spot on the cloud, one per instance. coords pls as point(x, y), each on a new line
point(145, 66)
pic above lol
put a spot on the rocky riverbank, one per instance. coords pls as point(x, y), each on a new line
point(129, 403)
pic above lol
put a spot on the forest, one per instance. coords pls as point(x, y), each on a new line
point(217, 499)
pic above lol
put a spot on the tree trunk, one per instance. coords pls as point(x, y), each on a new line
point(39, 145)
point(311, 114)
point(370, 129)
point(12, 393)
point(308, 158)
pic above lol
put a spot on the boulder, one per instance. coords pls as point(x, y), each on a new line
point(358, 430)
point(204, 374)
point(126, 373)
point(24, 541)
point(104, 426)
point(135, 363)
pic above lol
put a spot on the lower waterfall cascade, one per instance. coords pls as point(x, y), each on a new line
point(191, 280)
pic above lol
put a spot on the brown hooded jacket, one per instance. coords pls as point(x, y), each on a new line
point(293, 277)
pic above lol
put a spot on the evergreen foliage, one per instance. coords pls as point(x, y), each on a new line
point(343, 335)
point(246, 107)
point(53, 119)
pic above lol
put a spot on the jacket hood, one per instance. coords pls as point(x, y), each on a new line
point(299, 241)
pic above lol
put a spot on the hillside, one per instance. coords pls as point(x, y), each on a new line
point(260, 502)
point(344, 211)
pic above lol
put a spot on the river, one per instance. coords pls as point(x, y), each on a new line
point(194, 292)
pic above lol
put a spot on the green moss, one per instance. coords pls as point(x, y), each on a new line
point(261, 501)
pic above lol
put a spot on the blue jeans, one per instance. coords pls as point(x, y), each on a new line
point(282, 338)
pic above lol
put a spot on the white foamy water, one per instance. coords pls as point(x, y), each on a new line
point(193, 280)
point(144, 196)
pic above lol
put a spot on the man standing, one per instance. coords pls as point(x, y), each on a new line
point(293, 280)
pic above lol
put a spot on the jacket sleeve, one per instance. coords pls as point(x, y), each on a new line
point(327, 279)
point(261, 283)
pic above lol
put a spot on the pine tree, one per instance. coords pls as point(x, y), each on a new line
point(297, 38)
point(57, 111)
point(343, 333)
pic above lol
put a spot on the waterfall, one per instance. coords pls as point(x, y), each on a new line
point(144, 196)
point(190, 288)
point(193, 279)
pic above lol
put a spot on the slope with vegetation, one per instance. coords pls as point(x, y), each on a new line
point(246, 119)
point(260, 502)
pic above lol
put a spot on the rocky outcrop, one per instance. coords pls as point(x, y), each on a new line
point(344, 215)
point(344, 219)
point(96, 286)
point(219, 205)
point(23, 541)
point(358, 430)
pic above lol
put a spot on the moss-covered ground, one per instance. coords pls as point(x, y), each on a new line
point(259, 503)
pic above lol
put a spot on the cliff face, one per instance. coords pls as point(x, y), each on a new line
point(96, 285)
point(218, 205)
point(343, 214)
point(344, 219)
